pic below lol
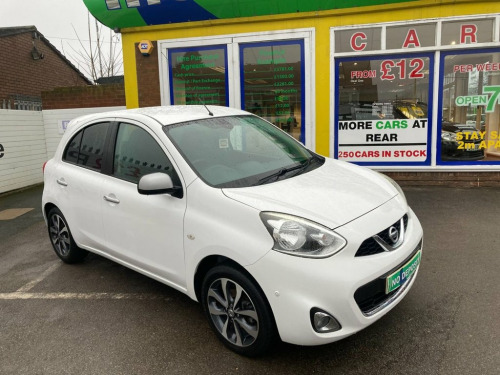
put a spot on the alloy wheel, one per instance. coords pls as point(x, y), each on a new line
point(233, 312)
point(59, 235)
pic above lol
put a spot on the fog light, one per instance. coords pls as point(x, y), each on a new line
point(323, 322)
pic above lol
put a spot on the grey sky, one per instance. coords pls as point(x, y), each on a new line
point(55, 19)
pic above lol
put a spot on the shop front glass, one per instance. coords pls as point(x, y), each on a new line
point(198, 75)
point(383, 109)
point(272, 83)
point(469, 114)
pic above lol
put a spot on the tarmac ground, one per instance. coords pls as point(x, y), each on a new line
point(101, 318)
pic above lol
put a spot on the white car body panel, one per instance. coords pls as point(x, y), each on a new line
point(316, 195)
point(167, 238)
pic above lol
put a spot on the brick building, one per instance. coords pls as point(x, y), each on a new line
point(30, 64)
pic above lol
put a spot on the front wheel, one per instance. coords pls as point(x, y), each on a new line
point(238, 311)
point(62, 241)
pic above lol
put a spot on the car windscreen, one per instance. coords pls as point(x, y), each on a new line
point(240, 151)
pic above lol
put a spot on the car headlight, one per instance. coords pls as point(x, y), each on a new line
point(449, 136)
point(301, 237)
point(398, 188)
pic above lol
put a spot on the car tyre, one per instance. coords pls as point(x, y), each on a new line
point(237, 311)
point(62, 241)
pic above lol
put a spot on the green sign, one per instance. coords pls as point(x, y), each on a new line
point(398, 278)
point(489, 101)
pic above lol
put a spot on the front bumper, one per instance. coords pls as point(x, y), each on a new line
point(295, 285)
point(471, 151)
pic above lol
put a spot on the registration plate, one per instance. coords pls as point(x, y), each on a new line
point(399, 277)
point(471, 148)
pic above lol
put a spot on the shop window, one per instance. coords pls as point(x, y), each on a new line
point(383, 109)
point(198, 75)
point(469, 114)
point(113, 4)
point(467, 32)
point(367, 39)
point(272, 83)
point(414, 36)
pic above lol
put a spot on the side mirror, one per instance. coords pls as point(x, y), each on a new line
point(158, 183)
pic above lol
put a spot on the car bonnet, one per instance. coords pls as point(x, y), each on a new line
point(332, 195)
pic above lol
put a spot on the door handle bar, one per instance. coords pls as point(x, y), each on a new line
point(62, 182)
point(111, 199)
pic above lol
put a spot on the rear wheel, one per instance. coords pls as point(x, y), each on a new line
point(62, 241)
point(237, 311)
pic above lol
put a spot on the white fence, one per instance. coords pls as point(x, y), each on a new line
point(28, 139)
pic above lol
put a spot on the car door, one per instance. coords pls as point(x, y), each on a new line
point(146, 231)
point(79, 179)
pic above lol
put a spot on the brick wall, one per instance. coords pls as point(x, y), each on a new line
point(21, 75)
point(84, 97)
point(450, 179)
point(148, 77)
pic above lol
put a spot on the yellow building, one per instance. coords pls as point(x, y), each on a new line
point(401, 86)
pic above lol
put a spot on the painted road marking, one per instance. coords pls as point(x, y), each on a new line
point(13, 213)
point(40, 278)
point(80, 296)
point(24, 294)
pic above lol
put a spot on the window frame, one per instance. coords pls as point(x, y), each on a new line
point(430, 106)
point(233, 42)
point(437, 50)
point(439, 125)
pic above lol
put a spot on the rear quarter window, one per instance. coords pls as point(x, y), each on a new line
point(86, 148)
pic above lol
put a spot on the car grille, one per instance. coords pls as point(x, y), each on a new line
point(370, 246)
point(371, 296)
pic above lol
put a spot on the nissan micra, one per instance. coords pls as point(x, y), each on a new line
point(274, 241)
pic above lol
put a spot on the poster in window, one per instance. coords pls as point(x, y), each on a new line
point(272, 82)
point(383, 109)
point(198, 75)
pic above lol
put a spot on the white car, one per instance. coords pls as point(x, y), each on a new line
point(274, 240)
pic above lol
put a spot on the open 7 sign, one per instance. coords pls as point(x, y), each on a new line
point(489, 101)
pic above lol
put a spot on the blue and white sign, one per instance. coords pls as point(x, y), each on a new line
point(63, 124)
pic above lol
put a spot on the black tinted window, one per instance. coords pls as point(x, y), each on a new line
point(92, 146)
point(73, 148)
point(138, 154)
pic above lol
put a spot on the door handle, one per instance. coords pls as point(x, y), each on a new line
point(62, 182)
point(111, 199)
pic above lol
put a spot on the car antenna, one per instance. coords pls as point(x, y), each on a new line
point(202, 102)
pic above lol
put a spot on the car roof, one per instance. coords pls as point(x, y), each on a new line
point(168, 115)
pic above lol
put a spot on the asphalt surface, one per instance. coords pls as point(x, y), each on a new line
point(101, 318)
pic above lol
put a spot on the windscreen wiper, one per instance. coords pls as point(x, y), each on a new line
point(282, 172)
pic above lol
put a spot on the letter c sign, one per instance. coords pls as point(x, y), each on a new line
point(355, 41)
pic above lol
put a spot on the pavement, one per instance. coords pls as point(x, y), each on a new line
point(101, 318)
